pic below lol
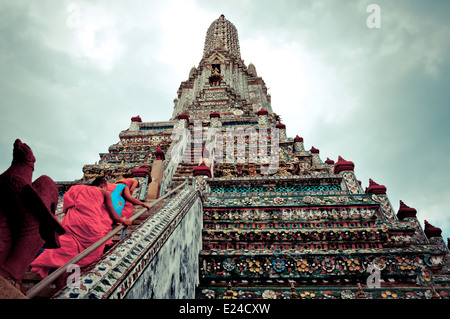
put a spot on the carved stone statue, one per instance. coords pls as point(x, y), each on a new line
point(215, 78)
point(27, 220)
point(283, 171)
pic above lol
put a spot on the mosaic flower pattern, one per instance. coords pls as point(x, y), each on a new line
point(389, 295)
point(229, 264)
point(279, 265)
point(307, 295)
point(326, 293)
point(299, 266)
point(269, 294)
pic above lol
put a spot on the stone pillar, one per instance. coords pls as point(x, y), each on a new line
point(409, 214)
point(282, 132)
point(262, 117)
point(134, 126)
point(201, 172)
point(315, 156)
point(142, 173)
point(156, 175)
point(298, 144)
point(342, 165)
point(197, 141)
point(375, 188)
point(434, 235)
point(346, 169)
point(330, 164)
point(183, 120)
point(381, 197)
point(205, 158)
point(215, 119)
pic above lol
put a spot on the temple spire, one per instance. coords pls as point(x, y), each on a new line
point(222, 35)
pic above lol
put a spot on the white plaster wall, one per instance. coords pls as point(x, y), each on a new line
point(174, 272)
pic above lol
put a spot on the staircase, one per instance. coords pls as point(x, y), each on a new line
point(140, 219)
point(191, 159)
point(30, 279)
point(183, 170)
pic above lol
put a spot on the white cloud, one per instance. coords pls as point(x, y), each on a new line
point(96, 33)
point(178, 22)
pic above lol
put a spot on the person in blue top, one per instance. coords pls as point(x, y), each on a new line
point(122, 198)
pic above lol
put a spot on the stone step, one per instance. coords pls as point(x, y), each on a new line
point(30, 279)
point(184, 171)
point(139, 219)
point(181, 176)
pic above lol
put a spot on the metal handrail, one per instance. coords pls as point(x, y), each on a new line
point(58, 272)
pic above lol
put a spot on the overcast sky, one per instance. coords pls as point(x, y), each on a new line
point(73, 73)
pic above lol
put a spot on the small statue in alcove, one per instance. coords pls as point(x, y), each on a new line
point(215, 78)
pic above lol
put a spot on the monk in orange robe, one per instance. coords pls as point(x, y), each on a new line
point(89, 216)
